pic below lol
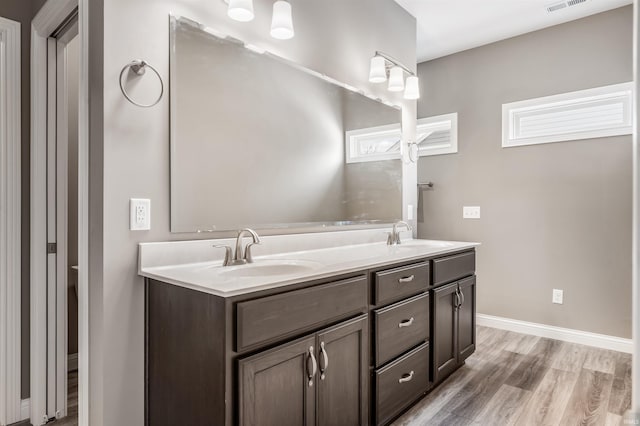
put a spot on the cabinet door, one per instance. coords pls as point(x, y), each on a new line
point(277, 387)
point(342, 374)
point(445, 334)
point(467, 319)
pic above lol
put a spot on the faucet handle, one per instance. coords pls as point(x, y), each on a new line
point(247, 252)
point(227, 254)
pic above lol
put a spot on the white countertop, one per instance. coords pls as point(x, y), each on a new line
point(196, 265)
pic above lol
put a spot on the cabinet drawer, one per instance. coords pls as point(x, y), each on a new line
point(287, 314)
point(451, 268)
point(399, 384)
point(393, 284)
point(400, 327)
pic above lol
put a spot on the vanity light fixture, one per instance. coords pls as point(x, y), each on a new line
point(383, 65)
point(281, 21)
point(396, 79)
point(240, 10)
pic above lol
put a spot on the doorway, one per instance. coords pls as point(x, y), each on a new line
point(54, 334)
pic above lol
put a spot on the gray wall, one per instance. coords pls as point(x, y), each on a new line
point(23, 11)
point(555, 215)
point(333, 37)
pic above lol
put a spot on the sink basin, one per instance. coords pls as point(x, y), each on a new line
point(263, 268)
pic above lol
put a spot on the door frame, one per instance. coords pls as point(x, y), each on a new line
point(50, 17)
point(10, 225)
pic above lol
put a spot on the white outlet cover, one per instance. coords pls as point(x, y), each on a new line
point(558, 296)
point(139, 214)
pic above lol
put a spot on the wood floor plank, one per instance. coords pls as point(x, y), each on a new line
point(613, 420)
point(547, 350)
point(505, 407)
point(529, 373)
point(570, 357)
point(521, 343)
point(472, 397)
point(589, 400)
point(620, 399)
point(549, 400)
point(600, 360)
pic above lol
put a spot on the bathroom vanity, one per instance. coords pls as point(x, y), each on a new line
point(337, 335)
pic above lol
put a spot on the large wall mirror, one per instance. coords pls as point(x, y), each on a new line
point(259, 141)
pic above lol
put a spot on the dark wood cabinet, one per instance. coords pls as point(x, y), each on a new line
point(343, 374)
point(454, 330)
point(445, 331)
point(467, 318)
point(276, 387)
point(281, 386)
point(302, 354)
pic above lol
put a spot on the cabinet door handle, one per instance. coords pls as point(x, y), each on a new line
point(406, 279)
point(406, 378)
point(324, 360)
point(462, 296)
point(457, 299)
point(405, 323)
point(311, 365)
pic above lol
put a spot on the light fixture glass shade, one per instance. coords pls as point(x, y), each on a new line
point(240, 10)
point(396, 79)
point(412, 88)
point(282, 22)
point(378, 70)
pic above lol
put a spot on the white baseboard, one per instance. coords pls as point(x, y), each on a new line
point(72, 362)
point(25, 409)
point(558, 333)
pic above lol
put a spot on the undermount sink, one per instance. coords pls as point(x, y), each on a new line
point(263, 268)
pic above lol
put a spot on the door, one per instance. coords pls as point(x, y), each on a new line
point(342, 374)
point(445, 335)
point(467, 318)
point(277, 387)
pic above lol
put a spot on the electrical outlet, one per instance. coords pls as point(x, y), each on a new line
point(140, 214)
point(471, 212)
point(557, 296)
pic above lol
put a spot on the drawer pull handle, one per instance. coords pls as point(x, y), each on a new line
point(405, 323)
point(406, 378)
point(406, 279)
point(324, 360)
point(311, 365)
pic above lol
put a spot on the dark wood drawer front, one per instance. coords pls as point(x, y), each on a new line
point(453, 267)
point(283, 315)
point(399, 384)
point(400, 327)
point(395, 283)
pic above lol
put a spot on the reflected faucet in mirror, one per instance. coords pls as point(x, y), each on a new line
point(240, 257)
point(394, 236)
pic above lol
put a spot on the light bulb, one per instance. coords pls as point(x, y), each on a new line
point(378, 70)
point(396, 79)
point(412, 88)
point(240, 10)
point(282, 22)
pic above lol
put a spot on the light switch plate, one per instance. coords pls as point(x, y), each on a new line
point(471, 212)
point(409, 211)
point(140, 214)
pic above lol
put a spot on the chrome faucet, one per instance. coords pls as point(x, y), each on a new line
point(394, 236)
point(240, 257)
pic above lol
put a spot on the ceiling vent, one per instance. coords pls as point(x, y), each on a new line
point(563, 5)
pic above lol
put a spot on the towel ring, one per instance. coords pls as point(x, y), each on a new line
point(139, 67)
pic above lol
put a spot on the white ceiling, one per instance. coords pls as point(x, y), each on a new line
point(449, 26)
